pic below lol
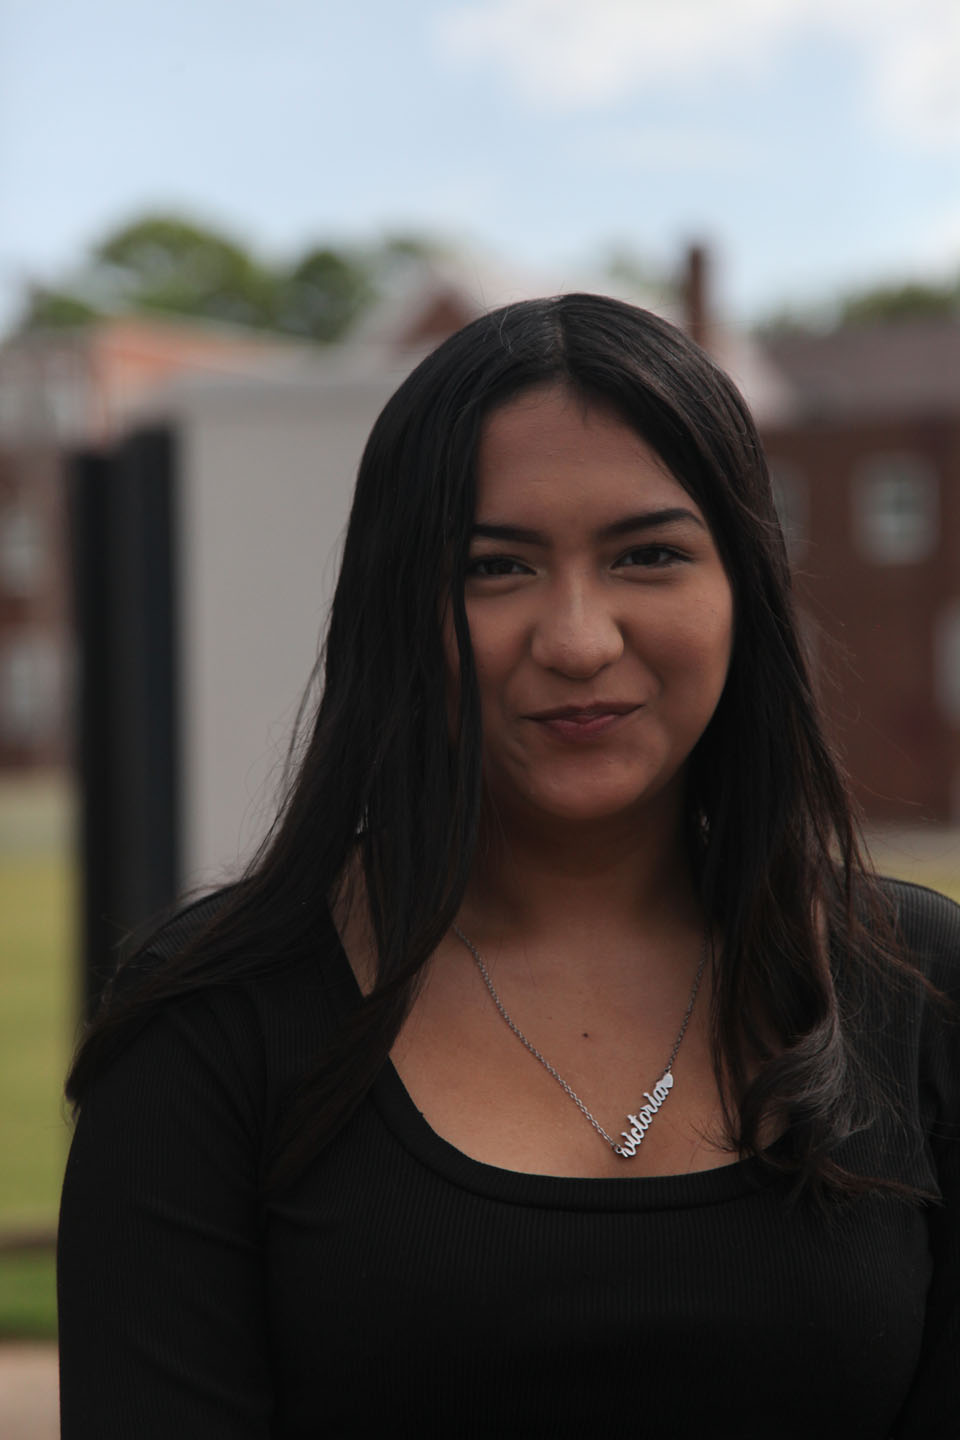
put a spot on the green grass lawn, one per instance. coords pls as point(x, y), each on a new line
point(37, 984)
point(28, 1297)
point(37, 990)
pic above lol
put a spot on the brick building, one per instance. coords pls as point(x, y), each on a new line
point(35, 646)
point(867, 472)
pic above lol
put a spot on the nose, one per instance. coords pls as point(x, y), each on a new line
point(576, 632)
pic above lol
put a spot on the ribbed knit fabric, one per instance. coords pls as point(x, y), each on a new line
point(403, 1289)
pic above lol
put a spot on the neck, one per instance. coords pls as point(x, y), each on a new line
point(579, 881)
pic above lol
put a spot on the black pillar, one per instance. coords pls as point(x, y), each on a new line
point(124, 527)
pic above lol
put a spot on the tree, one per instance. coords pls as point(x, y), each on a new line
point(56, 309)
point(165, 264)
point(323, 294)
point(910, 301)
point(877, 305)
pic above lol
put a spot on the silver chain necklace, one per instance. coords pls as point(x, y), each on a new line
point(640, 1122)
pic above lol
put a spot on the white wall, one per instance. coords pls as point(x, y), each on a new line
point(266, 476)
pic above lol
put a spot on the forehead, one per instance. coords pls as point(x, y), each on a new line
point(552, 447)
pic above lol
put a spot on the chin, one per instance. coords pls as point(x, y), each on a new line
point(588, 790)
point(590, 806)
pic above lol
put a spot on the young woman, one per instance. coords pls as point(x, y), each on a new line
point(556, 1069)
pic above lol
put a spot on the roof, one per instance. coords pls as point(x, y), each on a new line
point(765, 389)
point(429, 299)
point(890, 371)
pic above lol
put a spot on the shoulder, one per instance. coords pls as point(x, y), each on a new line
point(928, 1022)
point(188, 923)
point(218, 946)
point(237, 1001)
point(927, 924)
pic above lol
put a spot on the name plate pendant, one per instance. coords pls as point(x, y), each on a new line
point(641, 1122)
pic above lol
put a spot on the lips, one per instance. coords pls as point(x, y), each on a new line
point(586, 713)
point(580, 723)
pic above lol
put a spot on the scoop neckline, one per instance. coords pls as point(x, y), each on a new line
point(410, 1128)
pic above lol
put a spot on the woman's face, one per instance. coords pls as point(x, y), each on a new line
point(600, 614)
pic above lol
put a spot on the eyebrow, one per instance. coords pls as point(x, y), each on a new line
point(629, 525)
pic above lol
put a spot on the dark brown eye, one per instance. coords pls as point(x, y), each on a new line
point(486, 566)
point(654, 557)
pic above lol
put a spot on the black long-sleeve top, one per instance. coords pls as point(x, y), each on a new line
point(400, 1288)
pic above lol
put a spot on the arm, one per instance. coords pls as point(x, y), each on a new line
point(160, 1284)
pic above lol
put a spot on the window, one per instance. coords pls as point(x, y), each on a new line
point(13, 401)
point(30, 690)
point(64, 396)
point(791, 496)
point(21, 545)
point(896, 509)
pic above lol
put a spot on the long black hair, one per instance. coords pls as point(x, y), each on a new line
point(770, 831)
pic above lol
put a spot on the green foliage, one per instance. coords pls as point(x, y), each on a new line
point(879, 305)
point(166, 264)
point(910, 301)
point(56, 309)
point(405, 246)
point(323, 295)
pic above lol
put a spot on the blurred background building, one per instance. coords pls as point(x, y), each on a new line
point(867, 471)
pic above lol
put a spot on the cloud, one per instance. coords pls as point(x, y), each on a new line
point(913, 73)
point(571, 54)
point(653, 148)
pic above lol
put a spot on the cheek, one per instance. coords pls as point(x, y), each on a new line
point(727, 626)
point(717, 632)
point(713, 640)
point(496, 646)
point(696, 647)
point(493, 647)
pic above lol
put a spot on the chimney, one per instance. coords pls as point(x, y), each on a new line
point(696, 295)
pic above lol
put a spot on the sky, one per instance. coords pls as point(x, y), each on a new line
point(813, 144)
